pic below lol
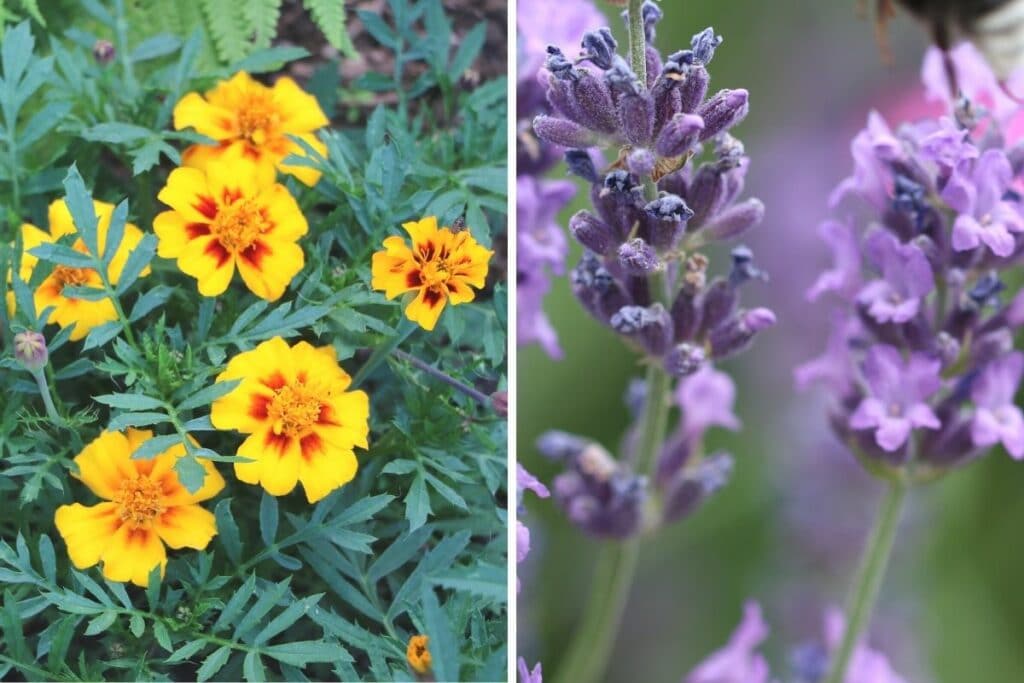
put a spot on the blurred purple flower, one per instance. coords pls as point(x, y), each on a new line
point(866, 665)
point(975, 79)
point(706, 399)
point(844, 278)
point(897, 394)
point(541, 23)
point(738, 661)
point(832, 368)
point(873, 150)
point(525, 482)
point(996, 417)
point(906, 278)
point(541, 251)
point(527, 676)
point(976, 190)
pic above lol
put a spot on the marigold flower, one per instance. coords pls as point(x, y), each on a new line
point(144, 508)
point(418, 654)
point(245, 116)
point(303, 424)
point(231, 215)
point(84, 314)
point(440, 267)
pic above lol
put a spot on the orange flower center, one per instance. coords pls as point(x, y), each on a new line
point(67, 276)
point(294, 409)
point(435, 273)
point(237, 225)
point(140, 500)
point(257, 120)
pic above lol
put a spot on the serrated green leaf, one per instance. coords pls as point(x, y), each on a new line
point(101, 623)
point(213, 663)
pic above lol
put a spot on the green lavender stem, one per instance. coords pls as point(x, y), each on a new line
point(873, 564)
point(637, 42)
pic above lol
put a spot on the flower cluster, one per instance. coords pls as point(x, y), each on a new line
point(920, 357)
point(644, 272)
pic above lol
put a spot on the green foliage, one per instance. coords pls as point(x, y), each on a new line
point(286, 590)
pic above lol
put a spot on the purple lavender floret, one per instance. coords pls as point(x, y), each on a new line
point(920, 359)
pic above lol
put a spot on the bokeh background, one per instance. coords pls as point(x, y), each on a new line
point(788, 528)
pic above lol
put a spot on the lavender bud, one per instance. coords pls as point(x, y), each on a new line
point(103, 52)
point(563, 132)
point(718, 304)
point(679, 135)
point(723, 111)
point(651, 15)
point(636, 114)
point(991, 346)
point(706, 193)
point(596, 289)
point(986, 290)
point(948, 348)
point(558, 445)
point(599, 47)
point(559, 66)
point(666, 94)
point(692, 488)
point(30, 351)
point(620, 78)
point(623, 184)
point(591, 232)
point(581, 164)
point(694, 89)
point(736, 220)
point(638, 258)
point(686, 316)
point(668, 214)
point(684, 359)
point(641, 162)
point(653, 59)
point(737, 333)
point(594, 106)
point(743, 268)
point(651, 327)
point(704, 45)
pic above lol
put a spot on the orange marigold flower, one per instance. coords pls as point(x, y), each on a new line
point(418, 654)
point(302, 424)
point(67, 310)
point(246, 117)
point(228, 216)
point(441, 267)
point(145, 507)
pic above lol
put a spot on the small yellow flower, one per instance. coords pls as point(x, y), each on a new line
point(228, 216)
point(441, 267)
point(145, 507)
point(245, 116)
point(418, 654)
point(85, 315)
point(302, 424)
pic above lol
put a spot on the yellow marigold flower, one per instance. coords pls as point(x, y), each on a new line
point(145, 507)
point(245, 116)
point(302, 423)
point(67, 310)
point(440, 268)
point(229, 216)
point(418, 654)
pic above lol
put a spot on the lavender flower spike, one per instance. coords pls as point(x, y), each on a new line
point(976, 190)
point(898, 390)
point(996, 417)
point(907, 277)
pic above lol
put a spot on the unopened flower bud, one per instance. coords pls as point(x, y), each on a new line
point(704, 45)
point(593, 104)
point(499, 401)
point(558, 445)
point(103, 52)
point(685, 316)
point(599, 47)
point(679, 135)
point(718, 304)
point(736, 220)
point(650, 326)
point(651, 14)
point(723, 111)
point(736, 334)
point(581, 164)
point(641, 162)
point(638, 258)
point(636, 113)
point(30, 350)
point(559, 65)
point(694, 89)
point(668, 215)
point(563, 132)
point(743, 268)
point(591, 232)
point(684, 359)
point(696, 485)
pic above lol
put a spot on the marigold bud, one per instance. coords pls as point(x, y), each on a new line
point(30, 350)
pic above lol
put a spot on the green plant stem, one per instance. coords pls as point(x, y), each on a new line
point(872, 568)
point(637, 42)
point(478, 396)
point(44, 391)
point(380, 354)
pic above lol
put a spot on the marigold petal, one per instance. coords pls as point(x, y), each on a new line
point(187, 192)
point(244, 408)
point(86, 530)
point(210, 263)
point(174, 233)
point(233, 93)
point(321, 363)
point(306, 175)
point(277, 457)
point(61, 223)
point(271, 358)
point(459, 292)
point(289, 224)
point(421, 231)
point(104, 463)
point(426, 308)
point(300, 112)
point(235, 176)
point(186, 526)
point(322, 471)
point(267, 267)
point(31, 237)
point(192, 111)
point(347, 420)
point(131, 555)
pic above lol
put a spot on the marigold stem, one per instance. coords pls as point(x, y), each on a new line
point(874, 561)
point(44, 391)
point(478, 396)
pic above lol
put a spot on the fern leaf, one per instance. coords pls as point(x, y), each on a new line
point(261, 19)
point(329, 15)
point(225, 21)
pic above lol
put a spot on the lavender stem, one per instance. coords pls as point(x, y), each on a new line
point(874, 562)
point(637, 42)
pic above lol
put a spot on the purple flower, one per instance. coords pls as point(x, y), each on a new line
point(845, 276)
point(832, 368)
point(976, 190)
point(527, 482)
point(906, 278)
point(996, 417)
point(706, 398)
point(542, 249)
point(866, 665)
point(947, 144)
point(527, 676)
point(541, 23)
point(873, 150)
point(738, 661)
point(897, 390)
point(975, 80)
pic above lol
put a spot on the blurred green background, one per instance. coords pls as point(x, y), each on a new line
point(787, 530)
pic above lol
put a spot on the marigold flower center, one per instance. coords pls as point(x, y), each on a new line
point(294, 409)
point(256, 120)
point(140, 501)
point(436, 273)
point(67, 276)
point(237, 225)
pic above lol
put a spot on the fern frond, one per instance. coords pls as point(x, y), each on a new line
point(261, 19)
point(329, 15)
point(229, 28)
